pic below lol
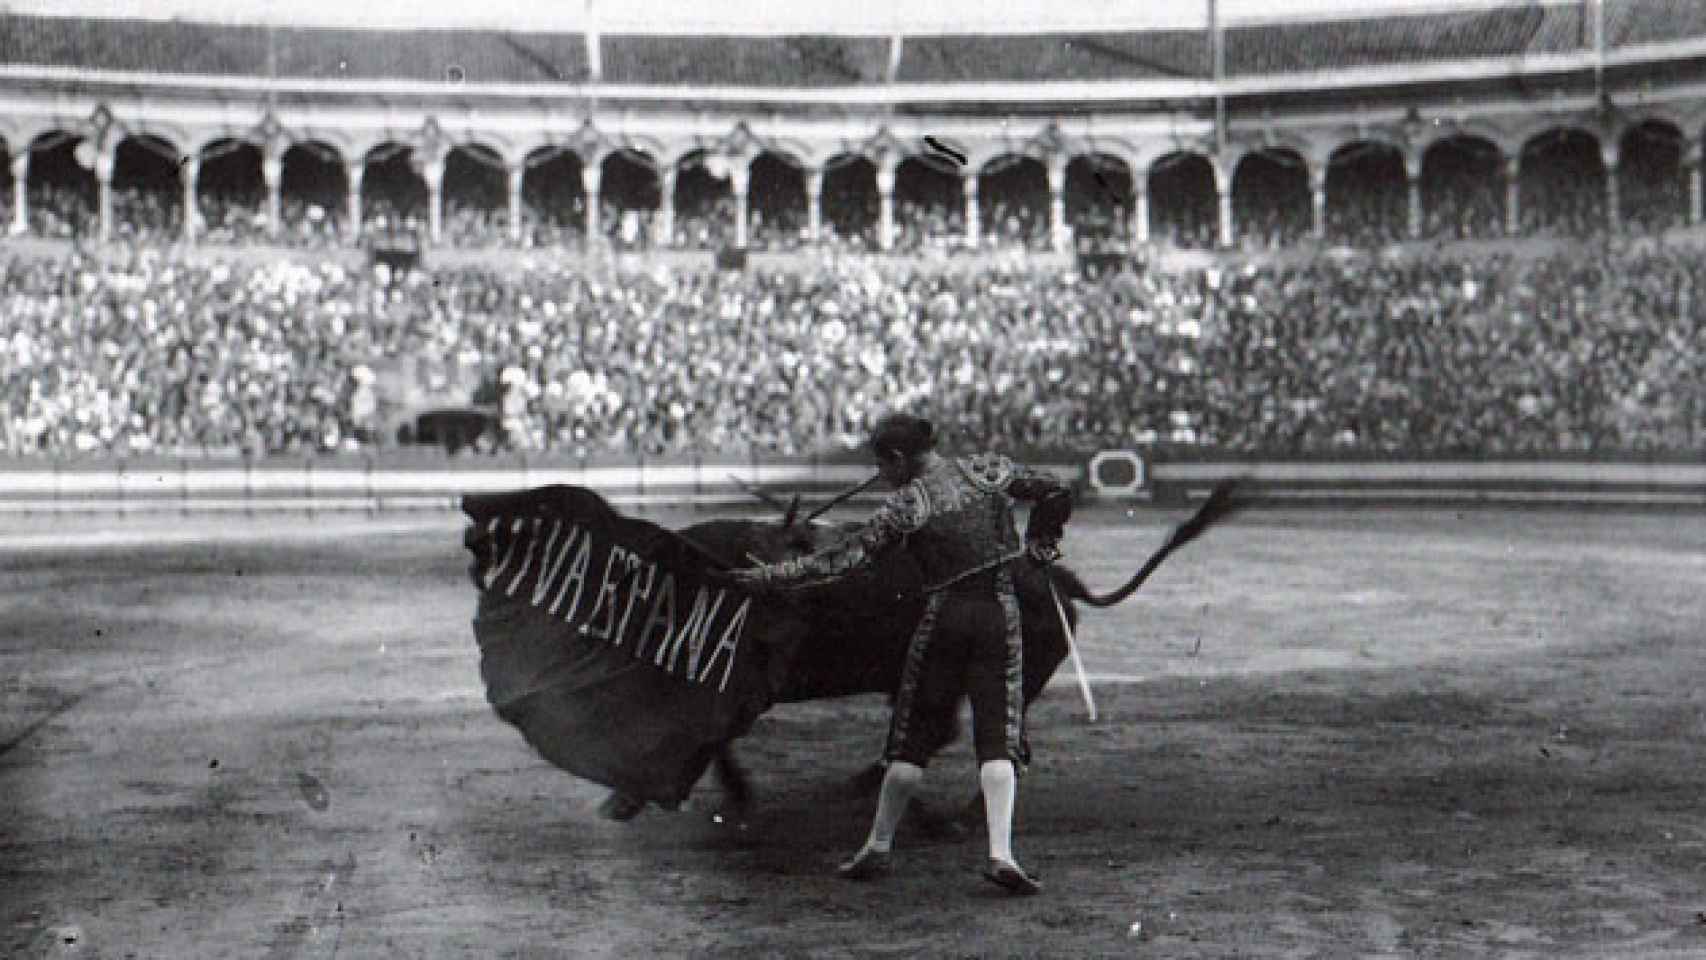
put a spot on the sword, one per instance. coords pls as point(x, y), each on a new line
point(1072, 647)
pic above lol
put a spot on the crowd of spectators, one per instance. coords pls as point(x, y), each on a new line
point(1591, 349)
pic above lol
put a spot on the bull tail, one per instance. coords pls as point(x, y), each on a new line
point(1222, 503)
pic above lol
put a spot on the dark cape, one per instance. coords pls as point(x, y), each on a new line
point(613, 644)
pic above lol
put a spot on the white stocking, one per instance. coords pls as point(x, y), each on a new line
point(1000, 785)
point(899, 783)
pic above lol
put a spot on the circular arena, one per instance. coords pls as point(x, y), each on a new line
point(1383, 732)
point(279, 287)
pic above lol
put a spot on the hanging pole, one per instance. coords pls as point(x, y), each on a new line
point(1217, 56)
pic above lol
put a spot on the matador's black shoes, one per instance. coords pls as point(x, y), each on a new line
point(1011, 877)
point(867, 864)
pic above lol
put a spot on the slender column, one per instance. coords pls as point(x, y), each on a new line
point(885, 194)
point(432, 171)
point(974, 225)
point(21, 191)
point(740, 180)
point(515, 173)
point(666, 206)
point(814, 204)
point(1513, 195)
point(1318, 201)
point(272, 172)
point(1223, 192)
point(353, 173)
point(1691, 159)
point(1414, 215)
point(104, 161)
point(1057, 202)
point(1414, 187)
point(592, 176)
point(1140, 211)
point(1613, 201)
point(189, 171)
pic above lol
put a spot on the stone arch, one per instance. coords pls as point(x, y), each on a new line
point(1367, 193)
point(1098, 194)
point(553, 198)
point(491, 145)
point(1462, 184)
point(1270, 197)
point(1184, 207)
point(776, 199)
point(1270, 144)
point(655, 151)
point(704, 203)
point(631, 179)
point(476, 150)
point(346, 147)
point(928, 201)
point(169, 135)
point(314, 191)
point(393, 193)
point(1013, 199)
point(1562, 182)
point(630, 187)
point(1171, 150)
point(230, 189)
point(147, 194)
point(1117, 148)
point(794, 153)
point(63, 193)
point(851, 204)
point(1652, 189)
point(1468, 128)
point(476, 194)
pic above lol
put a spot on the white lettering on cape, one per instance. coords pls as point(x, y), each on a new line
point(560, 556)
point(692, 634)
point(616, 567)
point(555, 556)
point(642, 589)
point(577, 576)
point(729, 641)
point(527, 557)
point(662, 614)
point(515, 528)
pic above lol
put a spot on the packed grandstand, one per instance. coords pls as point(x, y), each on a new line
point(1470, 229)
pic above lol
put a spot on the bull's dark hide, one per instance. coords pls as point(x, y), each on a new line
point(600, 712)
point(860, 626)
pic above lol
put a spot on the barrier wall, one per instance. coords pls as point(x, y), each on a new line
point(1517, 482)
point(343, 484)
point(403, 483)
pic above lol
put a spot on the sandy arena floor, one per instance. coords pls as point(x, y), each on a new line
point(1367, 733)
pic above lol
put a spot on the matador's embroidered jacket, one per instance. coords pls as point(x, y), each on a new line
point(956, 519)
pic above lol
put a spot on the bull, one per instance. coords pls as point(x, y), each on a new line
point(861, 627)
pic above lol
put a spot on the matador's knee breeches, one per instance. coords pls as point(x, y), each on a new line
point(970, 642)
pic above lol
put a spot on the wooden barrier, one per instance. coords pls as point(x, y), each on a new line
point(343, 484)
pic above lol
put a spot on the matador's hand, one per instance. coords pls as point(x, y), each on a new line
point(759, 579)
point(1043, 552)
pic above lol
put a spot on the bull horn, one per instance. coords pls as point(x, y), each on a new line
point(763, 496)
point(842, 496)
